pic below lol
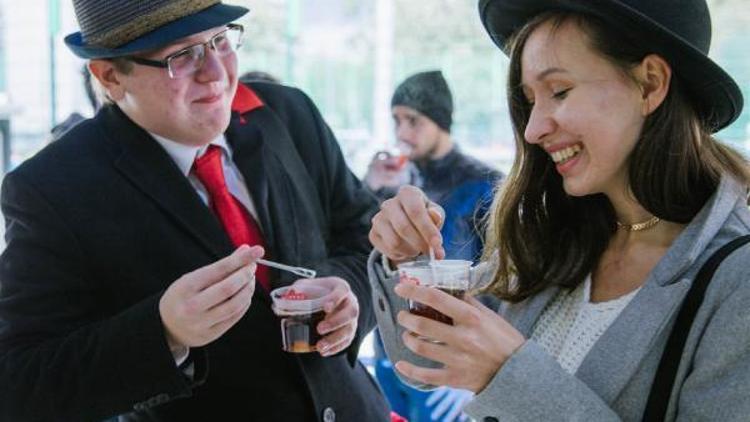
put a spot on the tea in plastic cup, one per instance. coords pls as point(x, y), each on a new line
point(391, 161)
point(300, 308)
point(449, 275)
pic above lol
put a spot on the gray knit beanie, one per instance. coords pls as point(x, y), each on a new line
point(428, 93)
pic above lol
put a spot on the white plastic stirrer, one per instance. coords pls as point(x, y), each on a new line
point(300, 271)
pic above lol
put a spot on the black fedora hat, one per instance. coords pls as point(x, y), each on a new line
point(122, 27)
point(679, 30)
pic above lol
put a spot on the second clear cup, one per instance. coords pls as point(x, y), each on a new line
point(450, 276)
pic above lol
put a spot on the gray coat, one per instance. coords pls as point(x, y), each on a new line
point(613, 381)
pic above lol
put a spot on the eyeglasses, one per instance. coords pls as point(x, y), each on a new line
point(189, 60)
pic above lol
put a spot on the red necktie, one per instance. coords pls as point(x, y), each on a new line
point(238, 223)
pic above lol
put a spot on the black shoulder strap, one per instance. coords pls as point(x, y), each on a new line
point(661, 389)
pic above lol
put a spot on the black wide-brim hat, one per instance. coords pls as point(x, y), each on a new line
point(123, 27)
point(678, 30)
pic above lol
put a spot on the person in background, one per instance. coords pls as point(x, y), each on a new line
point(258, 76)
point(74, 118)
point(422, 108)
point(618, 196)
point(130, 285)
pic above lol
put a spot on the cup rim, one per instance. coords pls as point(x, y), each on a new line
point(423, 271)
point(438, 263)
point(298, 307)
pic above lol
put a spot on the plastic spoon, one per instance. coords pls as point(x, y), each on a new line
point(300, 271)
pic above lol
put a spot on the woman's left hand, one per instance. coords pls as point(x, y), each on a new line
point(472, 350)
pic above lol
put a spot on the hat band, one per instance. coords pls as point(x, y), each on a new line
point(141, 25)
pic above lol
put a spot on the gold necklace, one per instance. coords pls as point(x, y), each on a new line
point(643, 225)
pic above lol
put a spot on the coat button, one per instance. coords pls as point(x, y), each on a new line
point(329, 415)
point(490, 419)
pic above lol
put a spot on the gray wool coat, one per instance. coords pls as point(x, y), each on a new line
point(613, 381)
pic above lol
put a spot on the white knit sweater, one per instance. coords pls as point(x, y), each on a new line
point(571, 324)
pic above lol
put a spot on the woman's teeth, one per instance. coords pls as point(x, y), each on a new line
point(566, 154)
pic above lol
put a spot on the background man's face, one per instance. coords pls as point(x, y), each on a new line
point(416, 130)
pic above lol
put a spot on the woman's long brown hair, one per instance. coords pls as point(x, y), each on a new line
point(546, 237)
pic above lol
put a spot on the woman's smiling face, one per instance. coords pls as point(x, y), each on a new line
point(586, 113)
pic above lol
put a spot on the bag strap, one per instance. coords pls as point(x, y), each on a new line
point(661, 389)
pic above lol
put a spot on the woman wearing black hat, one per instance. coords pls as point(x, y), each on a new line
point(609, 302)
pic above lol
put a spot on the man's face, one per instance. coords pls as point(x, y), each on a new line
point(192, 110)
point(417, 130)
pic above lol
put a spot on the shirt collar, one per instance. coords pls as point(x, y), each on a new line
point(245, 99)
point(184, 155)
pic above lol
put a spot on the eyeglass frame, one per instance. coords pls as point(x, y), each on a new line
point(164, 63)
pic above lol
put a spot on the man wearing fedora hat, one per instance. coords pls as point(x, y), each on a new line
point(128, 287)
point(622, 230)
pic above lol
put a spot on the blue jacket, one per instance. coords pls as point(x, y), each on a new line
point(463, 186)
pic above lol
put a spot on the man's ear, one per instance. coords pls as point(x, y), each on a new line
point(654, 76)
point(109, 79)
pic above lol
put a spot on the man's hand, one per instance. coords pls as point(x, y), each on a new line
point(386, 170)
point(342, 310)
point(202, 305)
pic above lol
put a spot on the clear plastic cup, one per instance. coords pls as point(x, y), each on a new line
point(449, 275)
point(300, 313)
point(392, 161)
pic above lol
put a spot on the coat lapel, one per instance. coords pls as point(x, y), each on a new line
point(619, 352)
point(252, 159)
point(255, 160)
point(142, 160)
point(255, 151)
point(523, 315)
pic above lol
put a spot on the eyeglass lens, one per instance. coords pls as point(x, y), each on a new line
point(187, 61)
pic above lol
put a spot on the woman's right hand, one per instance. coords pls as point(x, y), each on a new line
point(407, 225)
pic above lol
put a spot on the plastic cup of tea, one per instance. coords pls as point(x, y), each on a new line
point(392, 161)
point(449, 275)
point(300, 309)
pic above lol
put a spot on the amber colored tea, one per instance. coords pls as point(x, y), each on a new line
point(299, 332)
point(417, 308)
point(300, 310)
